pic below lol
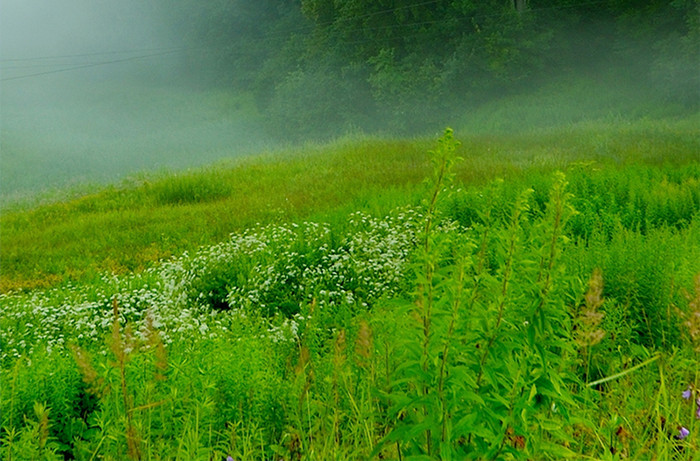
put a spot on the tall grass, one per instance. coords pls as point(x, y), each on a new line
point(548, 315)
point(77, 239)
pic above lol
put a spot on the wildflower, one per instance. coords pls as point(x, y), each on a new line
point(682, 433)
point(687, 393)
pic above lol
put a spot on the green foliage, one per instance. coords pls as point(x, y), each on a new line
point(452, 398)
point(412, 66)
point(545, 315)
point(320, 101)
point(33, 440)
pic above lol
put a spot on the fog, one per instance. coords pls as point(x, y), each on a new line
point(90, 91)
point(97, 90)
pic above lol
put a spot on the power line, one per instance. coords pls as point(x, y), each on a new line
point(83, 66)
point(282, 33)
point(85, 55)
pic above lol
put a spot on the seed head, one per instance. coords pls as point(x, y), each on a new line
point(364, 344)
point(588, 332)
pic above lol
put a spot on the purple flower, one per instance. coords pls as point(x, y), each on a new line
point(683, 433)
point(687, 393)
point(230, 458)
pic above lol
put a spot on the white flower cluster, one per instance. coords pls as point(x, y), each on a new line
point(273, 269)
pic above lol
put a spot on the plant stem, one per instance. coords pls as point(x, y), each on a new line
point(624, 373)
point(426, 293)
point(456, 303)
point(507, 271)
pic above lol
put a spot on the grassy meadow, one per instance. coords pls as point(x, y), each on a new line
point(487, 294)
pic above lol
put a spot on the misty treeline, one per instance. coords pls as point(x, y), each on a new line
point(404, 64)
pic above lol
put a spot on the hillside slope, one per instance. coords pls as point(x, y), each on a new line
point(132, 225)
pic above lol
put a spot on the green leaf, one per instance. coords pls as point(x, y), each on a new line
point(533, 393)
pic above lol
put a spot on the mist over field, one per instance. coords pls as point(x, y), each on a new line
point(90, 91)
point(93, 91)
point(62, 134)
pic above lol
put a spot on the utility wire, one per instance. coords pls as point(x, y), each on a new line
point(266, 39)
point(269, 36)
point(83, 66)
point(85, 55)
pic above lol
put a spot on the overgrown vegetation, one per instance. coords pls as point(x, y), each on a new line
point(550, 315)
point(530, 291)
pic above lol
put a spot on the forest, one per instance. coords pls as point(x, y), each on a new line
point(407, 65)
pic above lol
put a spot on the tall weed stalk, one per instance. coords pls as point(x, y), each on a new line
point(124, 397)
point(482, 376)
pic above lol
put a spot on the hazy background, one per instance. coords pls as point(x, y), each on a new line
point(93, 90)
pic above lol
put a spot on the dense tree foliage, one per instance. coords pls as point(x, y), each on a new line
point(349, 63)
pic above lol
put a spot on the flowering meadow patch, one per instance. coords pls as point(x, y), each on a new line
point(272, 270)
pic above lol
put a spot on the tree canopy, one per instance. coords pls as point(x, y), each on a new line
point(347, 62)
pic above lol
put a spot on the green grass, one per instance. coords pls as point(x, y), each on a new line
point(129, 226)
point(538, 300)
